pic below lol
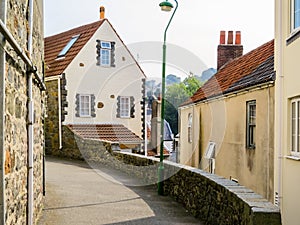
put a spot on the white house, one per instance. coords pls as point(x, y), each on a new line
point(92, 79)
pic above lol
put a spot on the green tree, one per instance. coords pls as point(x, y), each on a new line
point(176, 95)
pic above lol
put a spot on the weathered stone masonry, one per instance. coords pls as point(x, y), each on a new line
point(16, 114)
point(213, 199)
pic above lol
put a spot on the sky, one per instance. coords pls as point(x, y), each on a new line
point(194, 31)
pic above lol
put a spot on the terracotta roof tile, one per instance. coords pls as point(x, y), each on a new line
point(54, 44)
point(253, 68)
point(115, 133)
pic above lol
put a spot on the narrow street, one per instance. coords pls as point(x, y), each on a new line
point(79, 195)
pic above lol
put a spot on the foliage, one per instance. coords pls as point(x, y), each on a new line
point(176, 95)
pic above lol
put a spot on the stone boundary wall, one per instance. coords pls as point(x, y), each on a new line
point(211, 198)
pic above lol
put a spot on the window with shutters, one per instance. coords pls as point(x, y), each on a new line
point(125, 107)
point(105, 53)
point(85, 105)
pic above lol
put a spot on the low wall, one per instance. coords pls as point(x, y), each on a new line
point(211, 198)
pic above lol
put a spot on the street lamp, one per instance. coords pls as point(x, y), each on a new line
point(165, 6)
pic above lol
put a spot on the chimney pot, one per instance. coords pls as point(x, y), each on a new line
point(230, 37)
point(102, 12)
point(238, 37)
point(222, 37)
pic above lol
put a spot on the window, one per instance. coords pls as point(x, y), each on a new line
point(125, 107)
point(295, 14)
point(295, 125)
point(85, 105)
point(251, 124)
point(68, 46)
point(190, 123)
point(105, 53)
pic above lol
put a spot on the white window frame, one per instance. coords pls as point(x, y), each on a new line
point(190, 128)
point(250, 126)
point(293, 15)
point(295, 127)
point(125, 107)
point(68, 46)
point(82, 109)
point(105, 55)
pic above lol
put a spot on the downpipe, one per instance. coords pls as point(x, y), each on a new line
point(30, 191)
point(2, 114)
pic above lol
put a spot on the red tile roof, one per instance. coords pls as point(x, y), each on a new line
point(250, 69)
point(113, 133)
point(54, 44)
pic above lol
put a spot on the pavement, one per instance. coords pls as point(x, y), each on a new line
point(77, 194)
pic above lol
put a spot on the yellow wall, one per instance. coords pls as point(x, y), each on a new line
point(287, 171)
point(223, 121)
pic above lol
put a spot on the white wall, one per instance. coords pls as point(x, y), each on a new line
point(125, 79)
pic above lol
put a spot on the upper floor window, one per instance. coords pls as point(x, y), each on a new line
point(68, 46)
point(295, 14)
point(251, 124)
point(190, 124)
point(105, 53)
point(295, 126)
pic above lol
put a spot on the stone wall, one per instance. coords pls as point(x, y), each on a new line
point(51, 122)
point(211, 198)
point(16, 114)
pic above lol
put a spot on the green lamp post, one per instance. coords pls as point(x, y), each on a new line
point(165, 6)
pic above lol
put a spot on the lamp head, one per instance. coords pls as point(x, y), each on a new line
point(166, 6)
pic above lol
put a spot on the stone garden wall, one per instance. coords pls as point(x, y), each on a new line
point(213, 199)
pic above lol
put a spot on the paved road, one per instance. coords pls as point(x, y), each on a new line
point(79, 195)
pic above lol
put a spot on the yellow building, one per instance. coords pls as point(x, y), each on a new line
point(227, 126)
point(287, 110)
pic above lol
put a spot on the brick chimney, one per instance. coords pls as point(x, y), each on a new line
point(229, 51)
point(102, 13)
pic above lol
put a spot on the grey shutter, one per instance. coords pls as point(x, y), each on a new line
point(77, 104)
point(98, 50)
point(118, 106)
point(112, 54)
point(93, 110)
point(132, 110)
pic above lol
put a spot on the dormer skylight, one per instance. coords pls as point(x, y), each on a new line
point(68, 46)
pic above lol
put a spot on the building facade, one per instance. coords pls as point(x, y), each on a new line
point(227, 127)
point(21, 111)
point(92, 79)
point(287, 107)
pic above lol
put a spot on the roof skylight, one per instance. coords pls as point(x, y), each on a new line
point(68, 46)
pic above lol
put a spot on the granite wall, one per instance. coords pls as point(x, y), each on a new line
point(16, 114)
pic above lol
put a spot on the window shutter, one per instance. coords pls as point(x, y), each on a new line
point(118, 107)
point(132, 110)
point(93, 110)
point(77, 108)
point(112, 54)
point(98, 46)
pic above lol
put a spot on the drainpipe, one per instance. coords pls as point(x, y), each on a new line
point(30, 121)
point(59, 113)
point(2, 115)
point(280, 105)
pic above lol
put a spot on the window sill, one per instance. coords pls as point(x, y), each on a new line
point(293, 36)
point(296, 158)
